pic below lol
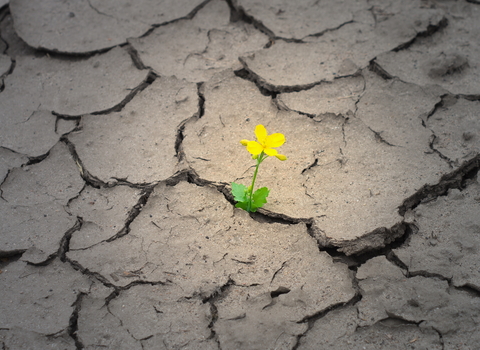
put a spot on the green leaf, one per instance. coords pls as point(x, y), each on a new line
point(242, 205)
point(239, 192)
point(259, 198)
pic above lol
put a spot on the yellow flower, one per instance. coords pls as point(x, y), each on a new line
point(265, 143)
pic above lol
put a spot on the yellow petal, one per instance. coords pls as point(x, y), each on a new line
point(254, 147)
point(244, 142)
point(270, 151)
point(261, 133)
point(281, 157)
point(275, 140)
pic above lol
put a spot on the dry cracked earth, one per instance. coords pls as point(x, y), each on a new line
point(119, 138)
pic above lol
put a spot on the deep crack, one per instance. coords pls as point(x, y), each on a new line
point(73, 322)
point(65, 242)
point(133, 213)
point(377, 69)
point(249, 75)
point(473, 291)
point(238, 13)
point(314, 164)
point(431, 29)
point(84, 173)
point(179, 153)
point(357, 259)
point(57, 121)
point(268, 89)
point(9, 256)
point(137, 61)
point(201, 100)
point(454, 179)
point(218, 294)
point(446, 100)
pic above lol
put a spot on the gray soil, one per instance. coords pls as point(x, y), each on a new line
point(120, 124)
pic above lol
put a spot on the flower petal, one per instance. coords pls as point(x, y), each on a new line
point(270, 151)
point(275, 140)
point(254, 147)
point(261, 133)
point(281, 157)
point(244, 142)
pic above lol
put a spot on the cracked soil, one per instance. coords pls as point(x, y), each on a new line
point(119, 138)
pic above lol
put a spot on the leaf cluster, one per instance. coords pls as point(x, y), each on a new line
point(248, 201)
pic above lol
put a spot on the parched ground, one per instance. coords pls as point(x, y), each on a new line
point(119, 139)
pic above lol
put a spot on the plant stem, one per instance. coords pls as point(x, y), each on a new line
point(259, 161)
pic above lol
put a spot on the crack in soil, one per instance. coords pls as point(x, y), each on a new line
point(8, 72)
point(65, 242)
point(98, 11)
point(431, 29)
point(427, 274)
point(73, 322)
point(179, 153)
point(237, 13)
point(133, 213)
point(97, 276)
point(380, 139)
point(319, 34)
point(100, 278)
point(8, 256)
point(310, 320)
point(474, 97)
point(137, 61)
point(214, 312)
point(118, 107)
point(84, 173)
point(188, 16)
point(184, 18)
point(376, 239)
point(249, 75)
point(57, 121)
point(270, 89)
point(354, 261)
point(450, 162)
point(473, 291)
point(314, 164)
point(218, 294)
point(281, 106)
point(445, 101)
point(377, 69)
point(453, 180)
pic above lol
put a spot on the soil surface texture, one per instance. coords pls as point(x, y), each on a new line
point(120, 129)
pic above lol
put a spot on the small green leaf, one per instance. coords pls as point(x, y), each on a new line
point(242, 205)
point(260, 198)
point(239, 192)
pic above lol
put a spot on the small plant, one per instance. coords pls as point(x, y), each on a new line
point(261, 149)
